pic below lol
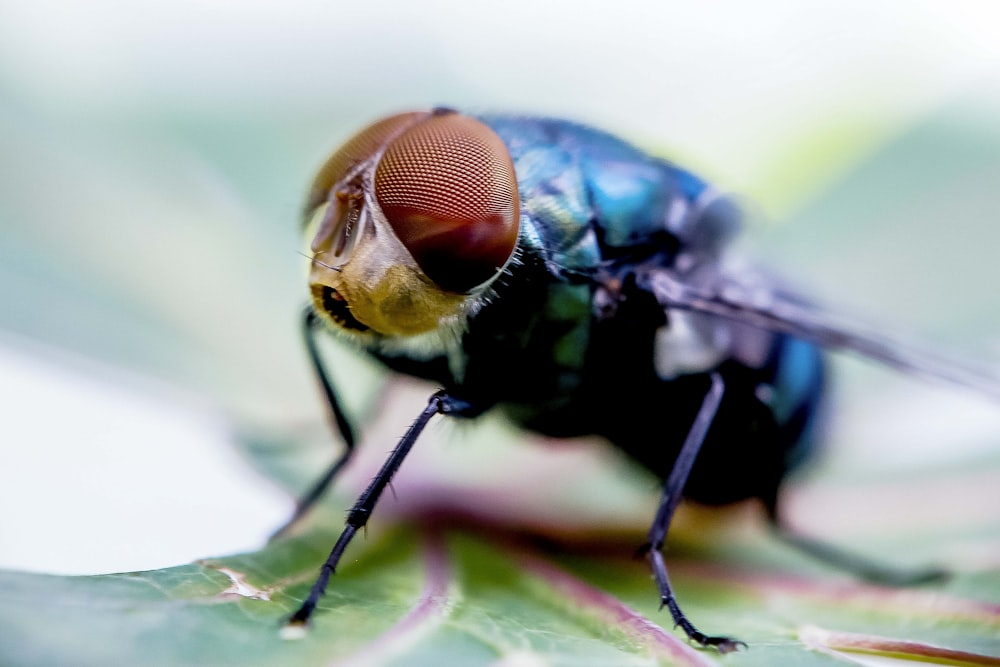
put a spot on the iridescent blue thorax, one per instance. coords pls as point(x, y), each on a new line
point(587, 195)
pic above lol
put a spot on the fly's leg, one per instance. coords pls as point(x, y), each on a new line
point(339, 421)
point(668, 504)
point(440, 403)
point(853, 563)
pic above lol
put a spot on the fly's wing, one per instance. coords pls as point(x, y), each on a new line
point(757, 301)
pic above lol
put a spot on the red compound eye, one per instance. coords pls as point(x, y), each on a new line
point(447, 187)
point(358, 148)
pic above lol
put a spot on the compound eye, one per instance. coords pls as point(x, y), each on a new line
point(447, 188)
point(362, 146)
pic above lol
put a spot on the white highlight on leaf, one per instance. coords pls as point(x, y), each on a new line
point(240, 587)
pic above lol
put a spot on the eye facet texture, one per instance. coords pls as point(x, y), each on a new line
point(447, 187)
point(358, 148)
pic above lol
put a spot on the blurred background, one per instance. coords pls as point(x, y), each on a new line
point(153, 158)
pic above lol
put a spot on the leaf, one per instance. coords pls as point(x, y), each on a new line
point(530, 563)
point(449, 595)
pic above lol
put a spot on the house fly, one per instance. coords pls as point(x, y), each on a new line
point(558, 274)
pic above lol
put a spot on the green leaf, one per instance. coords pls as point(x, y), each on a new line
point(443, 594)
point(532, 563)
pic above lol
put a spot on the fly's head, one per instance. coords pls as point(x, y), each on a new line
point(409, 222)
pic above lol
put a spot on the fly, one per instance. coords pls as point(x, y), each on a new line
point(562, 276)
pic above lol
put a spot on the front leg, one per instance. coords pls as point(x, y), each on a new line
point(440, 402)
point(311, 326)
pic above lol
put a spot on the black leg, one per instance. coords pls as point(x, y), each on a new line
point(339, 421)
point(853, 563)
point(441, 403)
point(668, 504)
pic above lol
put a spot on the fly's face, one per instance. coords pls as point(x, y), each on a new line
point(409, 221)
